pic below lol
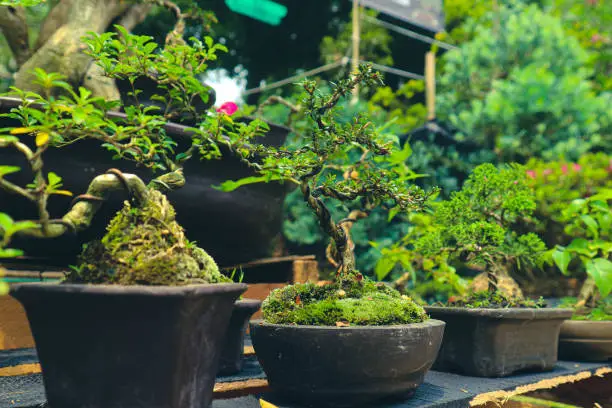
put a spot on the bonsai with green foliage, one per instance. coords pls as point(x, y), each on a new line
point(348, 163)
point(478, 227)
point(144, 244)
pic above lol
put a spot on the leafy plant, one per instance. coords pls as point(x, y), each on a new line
point(136, 248)
point(590, 222)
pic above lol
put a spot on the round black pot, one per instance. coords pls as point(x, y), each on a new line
point(584, 340)
point(233, 227)
point(233, 347)
point(104, 346)
point(498, 342)
point(345, 366)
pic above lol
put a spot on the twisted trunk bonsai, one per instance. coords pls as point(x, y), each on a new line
point(324, 166)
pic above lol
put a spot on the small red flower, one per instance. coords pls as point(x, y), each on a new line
point(547, 172)
point(576, 167)
point(531, 173)
point(564, 169)
point(229, 108)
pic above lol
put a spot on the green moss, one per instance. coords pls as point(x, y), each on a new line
point(496, 300)
point(601, 312)
point(359, 303)
point(145, 246)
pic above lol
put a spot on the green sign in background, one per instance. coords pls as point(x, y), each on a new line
point(262, 10)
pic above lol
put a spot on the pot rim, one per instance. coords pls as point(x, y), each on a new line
point(509, 312)
point(248, 303)
point(427, 323)
point(122, 290)
point(588, 322)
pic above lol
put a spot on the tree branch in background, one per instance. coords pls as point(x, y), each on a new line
point(14, 27)
point(57, 17)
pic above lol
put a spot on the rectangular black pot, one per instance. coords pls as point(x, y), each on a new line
point(498, 342)
point(103, 346)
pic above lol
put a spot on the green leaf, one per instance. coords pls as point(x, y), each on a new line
point(383, 267)
point(230, 185)
point(600, 270)
point(591, 224)
point(55, 181)
point(4, 170)
point(581, 246)
point(393, 212)
point(6, 222)
point(10, 252)
point(562, 260)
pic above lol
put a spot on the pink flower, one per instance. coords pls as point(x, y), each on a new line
point(229, 108)
point(596, 38)
point(576, 167)
point(564, 169)
point(610, 165)
point(547, 172)
point(531, 173)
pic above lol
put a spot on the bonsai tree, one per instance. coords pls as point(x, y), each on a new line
point(478, 226)
point(325, 167)
point(144, 244)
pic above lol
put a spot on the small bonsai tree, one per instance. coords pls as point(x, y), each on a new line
point(478, 226)
point(323, 165)
point(144, 244)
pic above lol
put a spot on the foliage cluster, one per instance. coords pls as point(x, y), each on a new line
point(520, 85)
point(495, 300)
point(601, 311)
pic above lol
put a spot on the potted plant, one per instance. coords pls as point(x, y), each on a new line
point(352, 341)
point(492, 332)
point(234, 227)
point(231, 360)
point(140, 320)
point(588, 336)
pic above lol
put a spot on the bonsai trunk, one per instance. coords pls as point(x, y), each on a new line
point(59, 47)
point(588, 294)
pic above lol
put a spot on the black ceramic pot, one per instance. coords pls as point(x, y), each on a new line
point(498, 342)
point(104, 346)
point(233, 227)
point(233, 347)
point(584, 340)
point(345, 366)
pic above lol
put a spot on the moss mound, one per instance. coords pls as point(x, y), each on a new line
point(361, 303)
point(496, 300)
point(145, 246)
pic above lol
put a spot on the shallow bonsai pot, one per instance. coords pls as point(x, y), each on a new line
point(103, 346)
point(345, 366)
point(233, 347)
point(234, 227)
point(584, 340)
point(498, 342)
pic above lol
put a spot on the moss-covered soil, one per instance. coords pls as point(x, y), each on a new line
point(145, 245)
point(496, 300)
point(360, 303)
